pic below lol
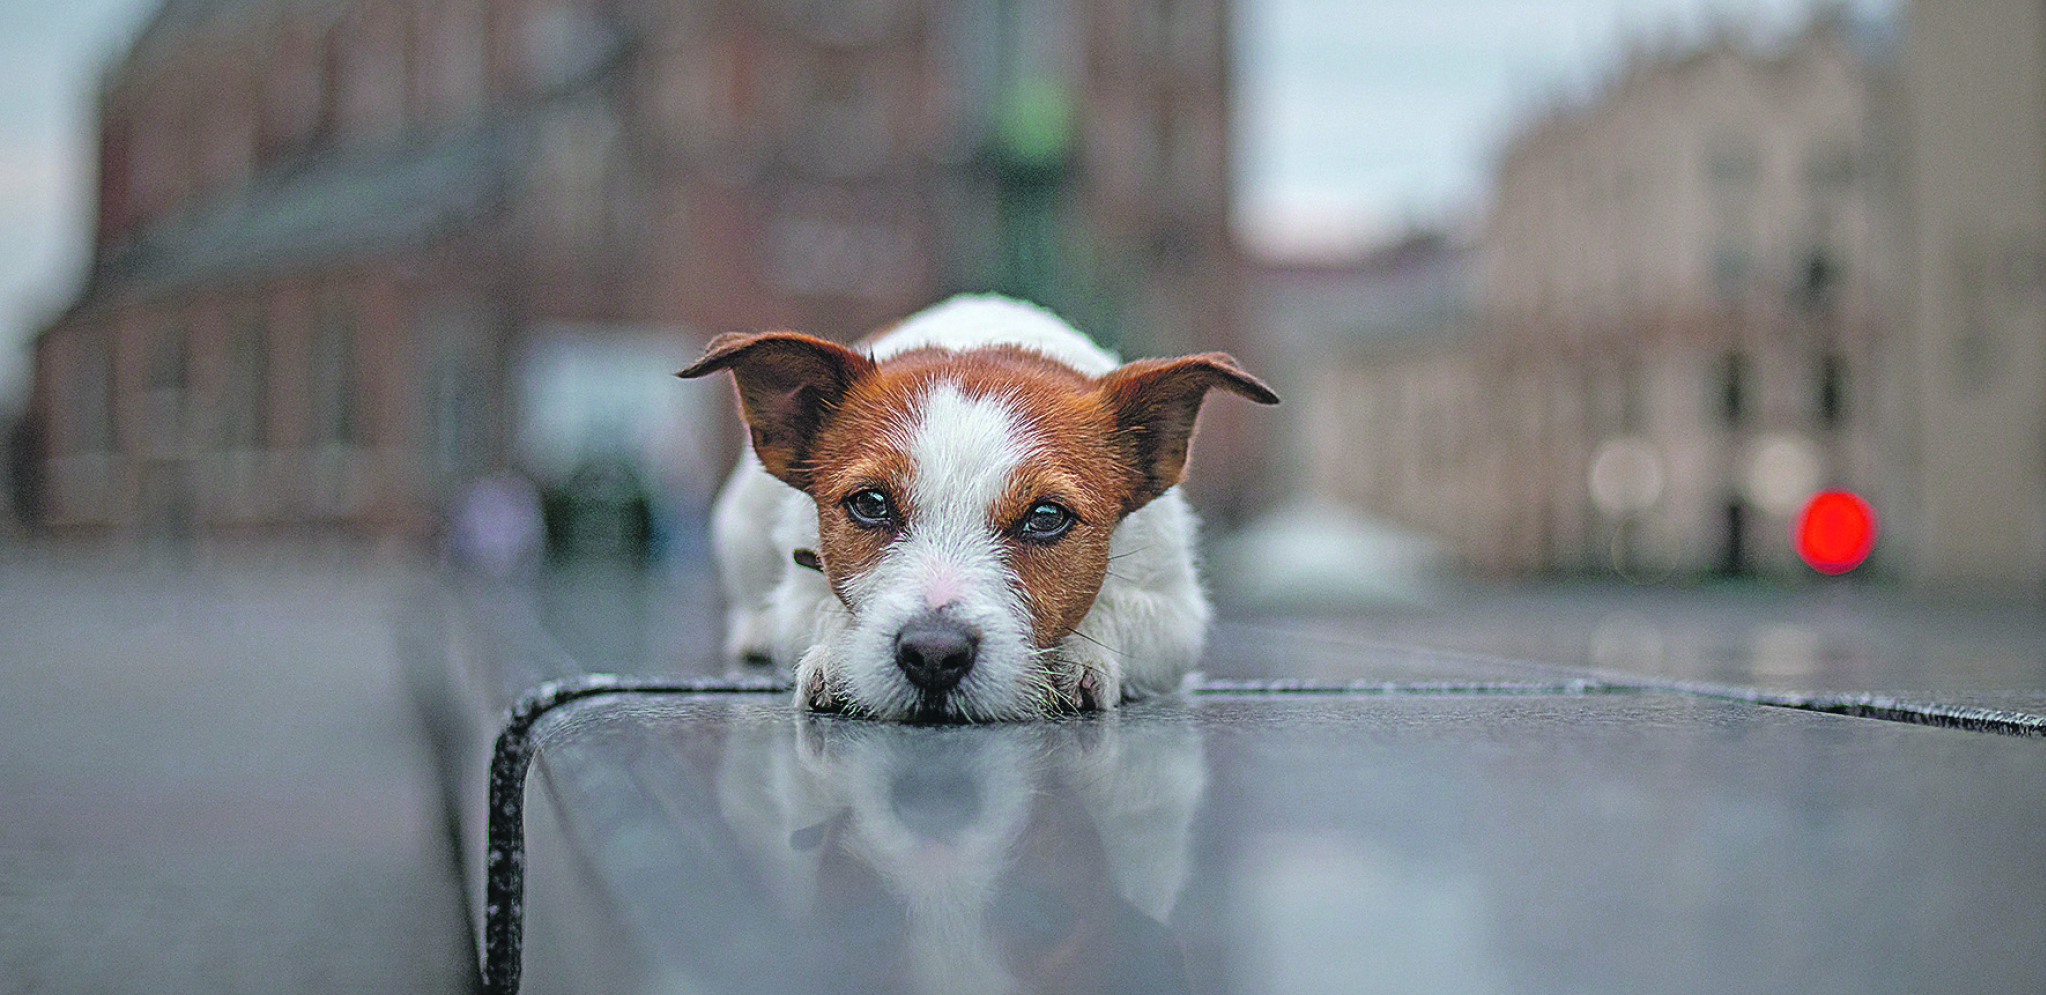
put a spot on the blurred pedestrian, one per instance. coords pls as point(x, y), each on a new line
point(498, 530)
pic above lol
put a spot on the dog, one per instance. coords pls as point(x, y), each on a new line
point(976, 518)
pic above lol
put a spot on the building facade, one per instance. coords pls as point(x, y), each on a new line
point(1688, 286)
point(1974, 458)
point(1384, 415)
point(328, 230)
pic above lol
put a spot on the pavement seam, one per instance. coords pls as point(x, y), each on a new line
point(1874, 706)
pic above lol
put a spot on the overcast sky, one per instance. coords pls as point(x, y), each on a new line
point(1358, 118)
point(1355, 117)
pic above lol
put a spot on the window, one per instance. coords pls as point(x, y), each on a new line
point(335, 381)
point(1816, 281)
point(245, 408)
point(1733, 557)
point(845, 118)
point(163, 412)
point(1733, 389)
point(1186, 34)
point(456, 390)
point(448, 59)
point(293, 93)
point(370, 84)
point(1829, 401)
point(1830, 167)
point(92, 393)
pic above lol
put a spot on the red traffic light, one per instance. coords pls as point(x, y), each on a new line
point(1834, 532)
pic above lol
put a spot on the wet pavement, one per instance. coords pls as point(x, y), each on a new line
point(214, 781)
point(232, 777)
point(1548, 790)
point(1246, 843)
point(1822, 636)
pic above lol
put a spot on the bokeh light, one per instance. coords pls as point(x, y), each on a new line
point(1835, 531)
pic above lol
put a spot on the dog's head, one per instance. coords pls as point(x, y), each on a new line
point(965, 501)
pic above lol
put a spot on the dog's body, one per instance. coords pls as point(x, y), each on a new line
point(976, 520)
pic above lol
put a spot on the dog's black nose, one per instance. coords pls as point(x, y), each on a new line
point(935, 652)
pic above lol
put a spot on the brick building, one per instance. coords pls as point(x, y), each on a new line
point(327, 230)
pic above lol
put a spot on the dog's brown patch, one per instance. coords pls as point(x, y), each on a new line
point(789, 384)
point(1155, 403)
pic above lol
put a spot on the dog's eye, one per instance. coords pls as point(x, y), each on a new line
point(870, 508)
point(1044, 522)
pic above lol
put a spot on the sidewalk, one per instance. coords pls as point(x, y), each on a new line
point(212, 780)
point(1540, 790)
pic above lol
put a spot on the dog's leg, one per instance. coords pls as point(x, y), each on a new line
point(818, 674)
point(1136, 643)
point(1149, 623)
point(750, 560)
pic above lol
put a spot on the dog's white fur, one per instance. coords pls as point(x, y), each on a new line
point(1142, 636)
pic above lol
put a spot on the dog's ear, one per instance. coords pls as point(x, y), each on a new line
point(789, 384)
point(1155, 402)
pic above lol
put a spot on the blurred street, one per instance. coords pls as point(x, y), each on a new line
point(214, 781)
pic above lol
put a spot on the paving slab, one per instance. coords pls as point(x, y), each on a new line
point(1819, 640)
point(1829, 638)
point(1245, 842)
point(1370, 803)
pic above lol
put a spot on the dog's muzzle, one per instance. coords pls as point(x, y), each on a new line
point(936, 651)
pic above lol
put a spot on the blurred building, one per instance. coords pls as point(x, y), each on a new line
point(329, 231)
point(1384, 414)
point(1975, 456)
point(1689, 284)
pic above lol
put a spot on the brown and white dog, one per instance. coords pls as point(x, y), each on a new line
point(975, 519)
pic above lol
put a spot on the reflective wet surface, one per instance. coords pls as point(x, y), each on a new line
point(1823, 637)
point(215, 782)
point(1535, 790)
point(1256, 843)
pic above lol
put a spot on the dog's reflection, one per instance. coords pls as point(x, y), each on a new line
point(1021, 857)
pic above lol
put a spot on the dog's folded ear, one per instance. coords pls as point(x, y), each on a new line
point(1155, 402)
point(789, 383)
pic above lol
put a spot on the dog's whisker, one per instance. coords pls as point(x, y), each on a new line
point(1128, 552)
point(1111, 650)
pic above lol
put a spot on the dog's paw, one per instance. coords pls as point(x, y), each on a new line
point(816, 689)
point(1091, 679)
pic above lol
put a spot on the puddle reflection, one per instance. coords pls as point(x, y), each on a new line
point(1029, 857)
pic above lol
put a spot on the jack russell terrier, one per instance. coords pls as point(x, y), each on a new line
point(974, 519)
